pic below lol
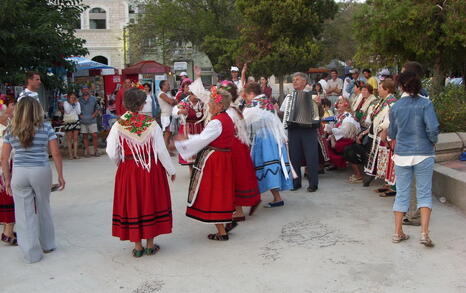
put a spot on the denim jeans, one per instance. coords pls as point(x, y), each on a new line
point(404, 175)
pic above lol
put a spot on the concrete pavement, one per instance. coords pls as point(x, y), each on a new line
point(335, 240)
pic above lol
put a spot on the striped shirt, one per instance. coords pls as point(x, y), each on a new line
point(35, 155)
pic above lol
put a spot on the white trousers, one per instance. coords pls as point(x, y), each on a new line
point(34, 225)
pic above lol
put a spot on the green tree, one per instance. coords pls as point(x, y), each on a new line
point(281, 37)
point(37, 35)
point(166, 23)
point(431, 32)
point(338, 41)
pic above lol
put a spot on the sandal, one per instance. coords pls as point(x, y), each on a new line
point(10, 240)
point(239, 219)
point(425, 240)
point(138, 253)
point(353, 179)
point(231, 226)
point(381, 190)
point(388, 194)
point(218, 237)
point(152, 251)
point(409, 222)
point(398, 238)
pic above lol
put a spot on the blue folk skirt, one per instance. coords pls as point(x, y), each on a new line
point(267, 162)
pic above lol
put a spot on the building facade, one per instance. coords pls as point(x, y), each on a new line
point(103, 27)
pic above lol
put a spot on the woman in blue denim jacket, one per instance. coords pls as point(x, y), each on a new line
point(414, 131)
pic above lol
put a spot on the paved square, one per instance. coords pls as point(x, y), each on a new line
point(335, 240)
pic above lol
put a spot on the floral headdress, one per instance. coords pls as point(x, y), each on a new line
point(215, 95)
point(138, 85)
point(226, 84)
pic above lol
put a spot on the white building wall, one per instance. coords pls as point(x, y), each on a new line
point(107, 42)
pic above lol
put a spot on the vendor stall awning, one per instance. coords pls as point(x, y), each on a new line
point(82, 63)
point(147, 67)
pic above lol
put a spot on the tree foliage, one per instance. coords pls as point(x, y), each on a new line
point(276, 37)
point(37, 35)
point(281, 37)
point(432, 32)
point(338, 41)
point(166, 23)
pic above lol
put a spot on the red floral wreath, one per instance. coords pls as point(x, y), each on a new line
point(215, 95)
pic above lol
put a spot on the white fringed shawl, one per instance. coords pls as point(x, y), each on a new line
point(260, 122)
point(143, 145)
point(240, 125)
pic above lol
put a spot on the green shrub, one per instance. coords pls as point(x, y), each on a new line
point(450, 106)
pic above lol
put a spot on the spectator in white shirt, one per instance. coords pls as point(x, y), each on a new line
point(334, 87)
point(72, 126)
point(323, 81)
point(33, 84)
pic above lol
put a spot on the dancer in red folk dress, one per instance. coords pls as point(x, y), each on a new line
point(142, 205)
point(7, 205)
point(211, 189)
point(244, 174)
point(190, 111)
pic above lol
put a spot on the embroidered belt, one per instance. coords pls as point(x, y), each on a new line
point(217, 149)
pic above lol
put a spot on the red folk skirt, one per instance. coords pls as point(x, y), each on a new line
point(336, 154)
point(191, 128)
point(214, 201)
point(7, 208)
point(244, 175)
point(141, 205)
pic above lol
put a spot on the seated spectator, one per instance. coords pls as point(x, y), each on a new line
point(356, 91)
point(327, 108)
point(364, 105)
point(342, 134)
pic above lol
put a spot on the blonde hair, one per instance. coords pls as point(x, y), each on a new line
point(27, 116)
point(346, 101)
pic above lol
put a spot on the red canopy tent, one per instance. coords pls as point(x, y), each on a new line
point(146, 67)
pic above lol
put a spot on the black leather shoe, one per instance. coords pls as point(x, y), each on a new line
point(296, 188)
point(312, 189)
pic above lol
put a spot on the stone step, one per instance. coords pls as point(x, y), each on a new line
point(449, 181)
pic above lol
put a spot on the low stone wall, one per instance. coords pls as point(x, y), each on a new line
point(451, 184)
point(448, 182)
point(450, 146)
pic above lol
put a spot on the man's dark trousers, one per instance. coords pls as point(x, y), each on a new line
point(304, 147)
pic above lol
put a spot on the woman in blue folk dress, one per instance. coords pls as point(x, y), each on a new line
point(268, 149)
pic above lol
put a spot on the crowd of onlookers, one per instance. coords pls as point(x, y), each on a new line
point(383, 127)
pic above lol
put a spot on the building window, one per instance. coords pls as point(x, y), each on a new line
point(97, 18)
point(100, 59)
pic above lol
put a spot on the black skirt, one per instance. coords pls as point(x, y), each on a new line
point(72, 126)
